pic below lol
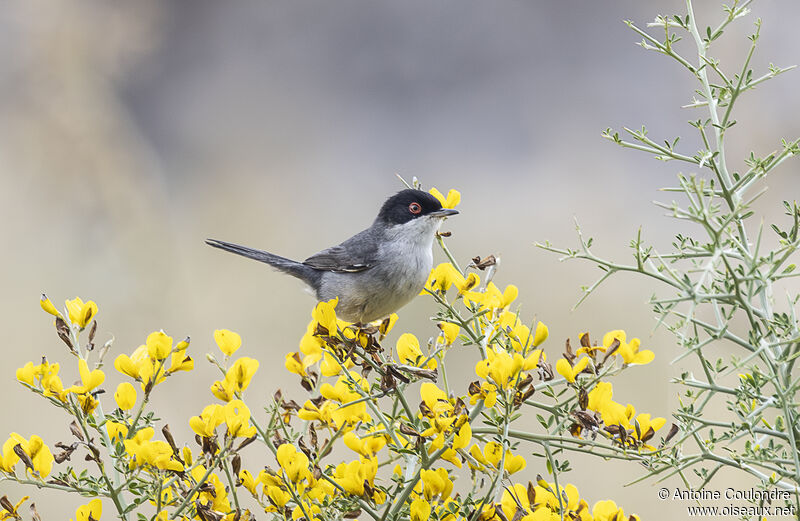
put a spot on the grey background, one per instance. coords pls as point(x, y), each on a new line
point(129, 132)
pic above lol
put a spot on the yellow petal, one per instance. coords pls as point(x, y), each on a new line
point(48, 306)
point(227, 341)
point(125, 396)
point(541, 334)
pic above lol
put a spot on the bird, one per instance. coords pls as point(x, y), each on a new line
point(375, 272)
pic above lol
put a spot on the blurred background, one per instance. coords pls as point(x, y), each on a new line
point(132, 131)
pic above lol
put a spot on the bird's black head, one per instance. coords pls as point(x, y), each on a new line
point(409, 204)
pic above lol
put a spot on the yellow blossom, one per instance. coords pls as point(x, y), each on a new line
point(611, 412)
point(13, 513)
point(608, 511)
point(504, 368)
point(408, 352)
point(324, 314)
point(88, 403)
point(492, 453)
point(81, 313)
point(36, 450)
point(442, 277)
point(436, 483)
point(367, 446)
point(571, 372)
point(206, 424)
point(89, 379)
point(159, 345)
point(155, 453)
point(116, 430)
point(92, 511)
point(645, 427)
point(628, 351)
point(486, 392)
point(541, 334)
point(179, 361)
point(227, 341)
point(237, 379)
point(351, 476)
point(492, 298)
point(140, 366)
point(514, 463)
point(27, 373)
point(420, 510)
point(48, 306)
point(247, 481)
point(125, 396)
point(449, 331)
point(294, 464)
point(452, 199)
point(388, 323)
point(237, 417)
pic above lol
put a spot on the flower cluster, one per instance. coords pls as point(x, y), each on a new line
point(369, 401)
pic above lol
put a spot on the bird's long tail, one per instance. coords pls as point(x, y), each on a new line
point(297, 269)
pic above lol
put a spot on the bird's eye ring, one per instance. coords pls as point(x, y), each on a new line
point(414, 208)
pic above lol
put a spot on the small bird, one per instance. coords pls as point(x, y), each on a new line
point(375, 272)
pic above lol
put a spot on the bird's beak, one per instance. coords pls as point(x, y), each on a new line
point(444, 212)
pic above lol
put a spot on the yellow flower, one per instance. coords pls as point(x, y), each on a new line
point(352, 476)
point(628, 351)
point(388, 323)
point(452, 200)
point(611, 412)
point(514, 463)
point(227, 341)
point(463, 436)
point(442, 277)
point(420, 510)
point(436, 483)
point(91, 511)
point(608, 511)
point(38, 453)
point(294, 364)
point(645, 427)
point(125, 396)
point(541, 334)
point(156, 453)
point(504, 368)
point(408, 351)
point(88, 403)
point(159, 345)
point(237, 379)
point(116, 430)
point(366, 446)
point(294, 464)
point(449, 331)
point(80, 313)
point(324, 314)
point(51, 382)
point(9, 514)
point(206, 424)
point(48, 306)
point(492, 298)
point(89, 379)
point(215, 496)
point(141, 367)
point(571, 372)
point(492, 453)
point(486, 392)
point(27, 373)
point(179, 361)
point(237, 417)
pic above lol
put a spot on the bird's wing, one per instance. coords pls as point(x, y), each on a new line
point(353, 255)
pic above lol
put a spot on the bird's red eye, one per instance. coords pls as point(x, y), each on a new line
point(414, 208)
